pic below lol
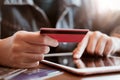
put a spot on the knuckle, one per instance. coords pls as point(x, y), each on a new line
point(96, 34)
point(18, 35)
point(98, 52)
point(45, 49)
point(110, 41)
point(41, 57)
point(15, 48)
point(38, 57)
point(43, 39)
point(105, 37)
point(36, 64)
point(102, 38)
point(89, 50)
point(107, 52)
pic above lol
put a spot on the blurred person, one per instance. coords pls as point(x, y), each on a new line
point(22, 45)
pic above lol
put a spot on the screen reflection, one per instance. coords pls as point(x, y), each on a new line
point(85, 62)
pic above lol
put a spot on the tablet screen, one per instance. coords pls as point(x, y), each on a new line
point(84, 62)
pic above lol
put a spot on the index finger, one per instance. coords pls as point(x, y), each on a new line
point(36, 38)
point(77, 53)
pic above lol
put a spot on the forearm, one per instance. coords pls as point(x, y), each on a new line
point(3, 49)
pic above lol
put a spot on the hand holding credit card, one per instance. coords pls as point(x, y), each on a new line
point(65, 35)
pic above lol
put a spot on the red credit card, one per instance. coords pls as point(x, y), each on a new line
point(65, 35)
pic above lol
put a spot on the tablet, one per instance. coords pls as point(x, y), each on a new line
point(84, 65)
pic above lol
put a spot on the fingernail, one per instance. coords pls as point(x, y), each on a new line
point(56, 43)
point(76, 55)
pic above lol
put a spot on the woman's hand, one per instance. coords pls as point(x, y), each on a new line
point(25, 49)
point(97, 43)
